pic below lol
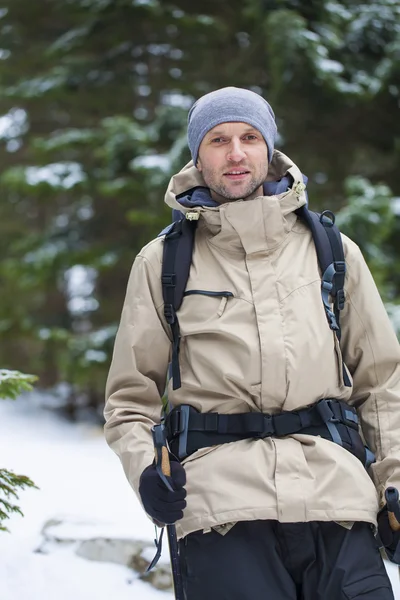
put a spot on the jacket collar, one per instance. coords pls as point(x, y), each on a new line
point(252, 226)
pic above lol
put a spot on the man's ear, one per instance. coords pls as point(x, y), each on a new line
point(198, 165)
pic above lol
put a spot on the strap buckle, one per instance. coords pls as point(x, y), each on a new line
point(169, 313)
point(349, 416)
point(174, 423)
point(177, 426)
point(268, 427)
point(326, 286)
point(169, 279)
point(324, 409)
point(340, 266)
point(340, 300)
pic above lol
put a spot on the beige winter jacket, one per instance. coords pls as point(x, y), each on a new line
point(268, 348)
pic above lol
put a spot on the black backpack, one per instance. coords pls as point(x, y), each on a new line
point(177, 259)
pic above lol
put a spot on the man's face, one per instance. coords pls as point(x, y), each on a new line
point(233, 159)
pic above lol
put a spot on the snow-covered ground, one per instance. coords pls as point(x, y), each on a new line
point(81, 482)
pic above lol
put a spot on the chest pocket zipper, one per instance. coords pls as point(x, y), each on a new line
point(223, 295)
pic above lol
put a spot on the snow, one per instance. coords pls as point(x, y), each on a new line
point(82, 485)
point(14, 123)
point(151, 3)
point(6, 374)
point(151, 161)
point(176, 99)
point(9, 376)
point(80, 284)
point(65, 174)
point(329, 66)
point(396, 206)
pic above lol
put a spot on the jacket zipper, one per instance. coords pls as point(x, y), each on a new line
point(207, 293)
point(223, 295)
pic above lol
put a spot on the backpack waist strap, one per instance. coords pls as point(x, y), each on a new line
point(189, 430)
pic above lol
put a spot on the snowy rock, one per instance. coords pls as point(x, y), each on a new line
point(122, 552)
point(84, 539)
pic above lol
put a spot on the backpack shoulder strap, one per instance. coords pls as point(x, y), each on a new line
point(330, 254)
point(177, 259)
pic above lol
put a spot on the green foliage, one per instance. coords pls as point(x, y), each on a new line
point(95, 96)
point(369, 219)
point(12, 383)
point(9, 484)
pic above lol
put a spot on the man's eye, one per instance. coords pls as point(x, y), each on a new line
point(251, 136)
point(217, 140)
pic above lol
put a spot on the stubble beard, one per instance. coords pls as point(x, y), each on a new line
point(228, 194)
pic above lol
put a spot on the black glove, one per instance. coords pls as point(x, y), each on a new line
point(160, 503)
point(390, 539)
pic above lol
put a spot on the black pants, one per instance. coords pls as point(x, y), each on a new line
point(267, 560)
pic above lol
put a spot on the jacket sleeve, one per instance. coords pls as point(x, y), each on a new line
point(372, 355)
point(137, 377)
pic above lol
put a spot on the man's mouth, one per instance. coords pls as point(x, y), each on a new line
point(236, 174)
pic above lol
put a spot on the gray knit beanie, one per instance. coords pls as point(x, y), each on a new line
point(227, 105)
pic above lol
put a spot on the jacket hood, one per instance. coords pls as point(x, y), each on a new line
point(189, 179)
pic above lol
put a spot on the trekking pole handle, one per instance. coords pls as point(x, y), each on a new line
point(163, 466)
point(393, 507)
point(161, 454)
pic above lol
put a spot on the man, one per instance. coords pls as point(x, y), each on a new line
point(281, 517)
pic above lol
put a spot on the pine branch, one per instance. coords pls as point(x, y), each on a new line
point(9, 483)
point(13, 383)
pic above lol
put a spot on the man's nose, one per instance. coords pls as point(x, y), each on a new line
point(236, 152)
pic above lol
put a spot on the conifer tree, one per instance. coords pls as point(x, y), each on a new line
point(12, 383)
point(94, 95)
